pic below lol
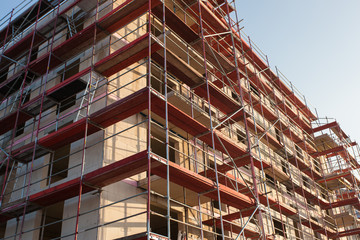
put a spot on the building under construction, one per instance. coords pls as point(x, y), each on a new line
point(137, 119)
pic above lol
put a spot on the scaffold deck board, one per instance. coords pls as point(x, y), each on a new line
point(311, 196)
point(8, 122)
point(15, 50)
point(213, 56)
point(111, 114)
point(125, 56)
point(179, 68)
point(220, 27)
point(22, 21)
point(218, 98)
point(101, 177)
point(265, 133)
point(176, 24)
point(265, 200)
point(299, 163)
point(354, 201)
point(114, 20)
point(73, 84)
point(350, 232)
point(193, 127)
point(125, 13)
point(203, 185)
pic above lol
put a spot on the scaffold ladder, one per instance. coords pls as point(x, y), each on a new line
point(88, 95)
point(17, 97)
point(71, 24)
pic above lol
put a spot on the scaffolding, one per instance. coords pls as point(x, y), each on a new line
point(136, 119)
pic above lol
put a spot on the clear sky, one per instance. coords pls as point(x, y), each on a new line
point(315, 43)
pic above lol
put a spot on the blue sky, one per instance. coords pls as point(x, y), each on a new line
point(315, 43)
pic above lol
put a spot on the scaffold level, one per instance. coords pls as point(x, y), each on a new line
point(137, 119)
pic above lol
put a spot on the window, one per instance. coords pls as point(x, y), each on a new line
point(241, 137)
point(68, 100)
point(219, 234)
point(279, 230)
point(289, 191)
point(278, 135)
point(234, 96)
point(254, 90)
point(52, 224)
point(306, 182)
point(316, 164)
point(216, 204)
point(60, 163)
point(158, 146)
point(323, 195)
point(20, 127)
point(288, 103)
point(66, 104)
point(284, 166)
point(310, 202)
point(299, 152)
point(158, 222)
point(270, 179)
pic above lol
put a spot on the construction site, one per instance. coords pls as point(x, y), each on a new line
point(151, 119)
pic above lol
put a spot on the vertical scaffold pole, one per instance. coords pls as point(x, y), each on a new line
point(282, 138)
point(83, 152)
point(203, 41)
point(41, 105)
point(7, 159)
point(6, 34)
point(297, 167)
point(148, 207)
point(18, 112)
point(168, 215)
point(252, 168)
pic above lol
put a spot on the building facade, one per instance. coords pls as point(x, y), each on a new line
point(135, 119)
